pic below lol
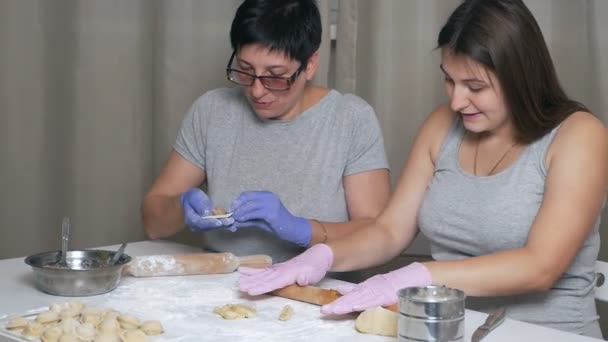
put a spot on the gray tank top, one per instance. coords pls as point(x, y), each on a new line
point(465, 216)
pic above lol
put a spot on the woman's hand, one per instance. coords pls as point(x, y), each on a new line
point(264, 209)
point(379, 290)
point(307, 268)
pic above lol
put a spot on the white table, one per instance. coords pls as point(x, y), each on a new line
point(184, 305)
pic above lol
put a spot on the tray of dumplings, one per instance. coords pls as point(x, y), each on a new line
point(78, 322)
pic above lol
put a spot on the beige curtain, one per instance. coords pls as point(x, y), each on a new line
point(91, 96)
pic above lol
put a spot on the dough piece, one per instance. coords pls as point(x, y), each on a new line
point(47, 317)
point(17, 323)
point(286, 313)
point(85, 331)
point(152, 328)
point(235, 311)
point(109, 326)
point(377, 321)
point(128, 321)
point(105, 337)
point(133, 336)
point(33, 329)
point(51, 334)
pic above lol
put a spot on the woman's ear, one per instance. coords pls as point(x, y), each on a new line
point(312, 65)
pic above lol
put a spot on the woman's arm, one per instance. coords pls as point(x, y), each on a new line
point(389, 234)
point(366, 195)
point(577, 179)
point(162, 212)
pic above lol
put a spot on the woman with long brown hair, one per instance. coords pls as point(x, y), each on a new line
point(507, 181)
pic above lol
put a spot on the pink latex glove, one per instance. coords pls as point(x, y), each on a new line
point(379, 290)
point(307, 268)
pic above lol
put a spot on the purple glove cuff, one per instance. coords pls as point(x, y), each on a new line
point(302, 233)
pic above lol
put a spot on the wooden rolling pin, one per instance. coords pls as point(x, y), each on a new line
point(314, 295)
point(191, 264)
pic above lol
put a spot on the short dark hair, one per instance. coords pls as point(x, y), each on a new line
point(503, 36)
point(291, 26)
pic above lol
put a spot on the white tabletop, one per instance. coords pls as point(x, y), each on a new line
point(184, 305)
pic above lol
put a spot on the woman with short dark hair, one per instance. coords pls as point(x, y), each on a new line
point(284, 156)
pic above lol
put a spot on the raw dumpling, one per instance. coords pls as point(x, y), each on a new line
point(133, 336)
point(33, 329)
point(128, 321)
point(286, 313)
point(47, 317)
point(69, 325)
point(152, 328)
point(17, 323)
point(235, 311)
point(51, 334)
point(109, 325)
point(85, 331)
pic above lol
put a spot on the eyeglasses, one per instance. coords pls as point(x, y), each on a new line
point(269, 82)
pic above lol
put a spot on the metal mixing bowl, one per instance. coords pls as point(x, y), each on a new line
point(87, 272)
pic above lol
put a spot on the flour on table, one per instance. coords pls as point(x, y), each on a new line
point(157, 265)
point(185, 307)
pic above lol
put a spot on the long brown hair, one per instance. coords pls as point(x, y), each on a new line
point(503, 36)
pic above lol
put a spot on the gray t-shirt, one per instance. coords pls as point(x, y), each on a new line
point(303, 160)
point(465, 216)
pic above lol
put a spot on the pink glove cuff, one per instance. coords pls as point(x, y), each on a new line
point(325, 255)
point(415, 274)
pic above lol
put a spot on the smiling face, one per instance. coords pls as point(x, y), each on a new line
point(475, 93)
point(273, 104)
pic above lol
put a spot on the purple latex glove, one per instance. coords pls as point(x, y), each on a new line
point(264, 209)
point(307, 268)
point(196, 204)
point(379, 290)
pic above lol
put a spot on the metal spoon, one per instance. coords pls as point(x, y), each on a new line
point(65, 238)
point(117, 254)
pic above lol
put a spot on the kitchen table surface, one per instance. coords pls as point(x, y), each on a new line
point(184, 305)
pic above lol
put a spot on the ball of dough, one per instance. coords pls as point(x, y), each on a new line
point(377, 321)
point(152, 328)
